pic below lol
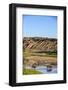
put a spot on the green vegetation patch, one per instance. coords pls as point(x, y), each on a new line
point(30, 71)
point(40, 53)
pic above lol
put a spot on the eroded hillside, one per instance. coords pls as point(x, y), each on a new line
point(40, 44)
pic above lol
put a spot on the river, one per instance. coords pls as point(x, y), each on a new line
point(44, 69)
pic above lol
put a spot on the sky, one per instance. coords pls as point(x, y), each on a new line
point(40, 26)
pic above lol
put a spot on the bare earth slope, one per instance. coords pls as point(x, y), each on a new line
point(38, 43)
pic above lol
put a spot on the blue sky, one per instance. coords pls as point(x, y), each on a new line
point(40, 26)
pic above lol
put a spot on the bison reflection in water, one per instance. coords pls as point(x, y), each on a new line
point(49, 68)
point(34, 65)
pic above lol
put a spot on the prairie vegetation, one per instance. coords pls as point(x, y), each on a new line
point(39, 52)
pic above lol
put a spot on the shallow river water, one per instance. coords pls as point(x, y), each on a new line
point(44, 69)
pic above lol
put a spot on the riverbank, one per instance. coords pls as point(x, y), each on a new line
point(30, 71)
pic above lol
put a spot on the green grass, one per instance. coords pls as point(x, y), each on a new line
point(40, 53)
point(30, 71)
point(43, 54)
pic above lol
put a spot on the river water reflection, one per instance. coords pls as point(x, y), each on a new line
point(44, 69)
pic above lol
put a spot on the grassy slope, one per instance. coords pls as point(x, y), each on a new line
point(48, 54)
point(32, 56)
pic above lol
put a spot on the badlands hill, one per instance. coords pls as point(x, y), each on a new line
point(40, 44)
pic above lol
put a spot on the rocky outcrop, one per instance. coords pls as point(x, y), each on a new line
point(40, 44)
